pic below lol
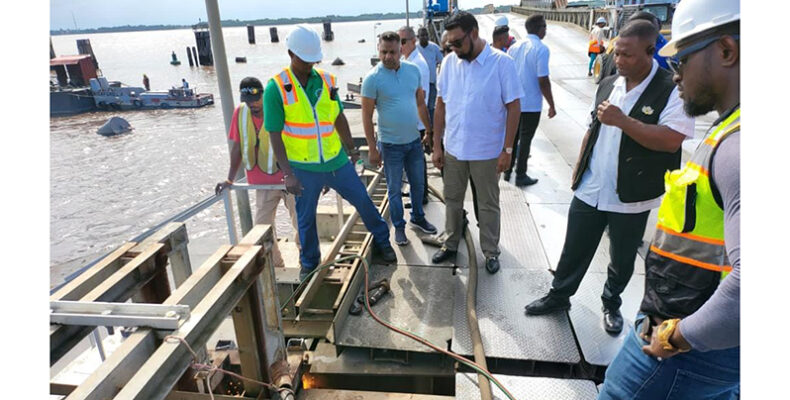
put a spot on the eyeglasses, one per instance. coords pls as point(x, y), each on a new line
point(458, 43)
point(681, 57)
point(250, 90)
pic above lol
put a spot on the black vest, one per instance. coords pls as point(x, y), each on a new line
point(640, 171)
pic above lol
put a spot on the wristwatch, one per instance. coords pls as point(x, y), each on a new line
point(508, 150)
point(665, 331)
point(353, 152)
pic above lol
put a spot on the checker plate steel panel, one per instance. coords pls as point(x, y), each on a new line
point(506, 331)
point(418, 302)
point(527, 388)
point(599, 347)
point(519, 242)
point(416, 253)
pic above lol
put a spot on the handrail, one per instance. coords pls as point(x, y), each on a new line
point(178, 217)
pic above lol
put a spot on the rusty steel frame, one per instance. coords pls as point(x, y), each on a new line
point(237, 280)
point(326, 320)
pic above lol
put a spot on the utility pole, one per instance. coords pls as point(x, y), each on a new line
point(407, 12)
point(226, 100)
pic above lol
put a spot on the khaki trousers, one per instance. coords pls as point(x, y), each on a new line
point(266, 202)
point(486, 180)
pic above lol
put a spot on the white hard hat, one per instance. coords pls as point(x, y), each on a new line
point(601, 20)
point(696, 16)
point(305, 43)
point(501, 21)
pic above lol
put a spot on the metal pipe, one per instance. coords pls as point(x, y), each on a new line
point(229, 217)
point(96, 338)
point(471, 309)
point(226, 99)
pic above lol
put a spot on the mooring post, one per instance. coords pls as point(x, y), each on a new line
point(251, 34)
point(189, 57)
point(273, 33)
point(226, 99)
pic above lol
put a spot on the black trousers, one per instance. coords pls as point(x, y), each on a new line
point(522, 143)
point(585, 229)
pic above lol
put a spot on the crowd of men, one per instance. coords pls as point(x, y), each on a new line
point(476, 118)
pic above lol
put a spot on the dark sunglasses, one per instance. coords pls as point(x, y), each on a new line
point(251, 90)
point(458, 43)
point(681, 57)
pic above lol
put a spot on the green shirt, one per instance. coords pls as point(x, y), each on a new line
point(275, 119)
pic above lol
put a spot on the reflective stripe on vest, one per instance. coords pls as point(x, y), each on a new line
point(309, 133)
point(690, 226)
point(249, 138)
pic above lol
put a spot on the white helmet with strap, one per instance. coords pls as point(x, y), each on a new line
point(697, 16)
point(305, 43)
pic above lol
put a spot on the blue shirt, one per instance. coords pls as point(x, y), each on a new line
point(661, 41)
point(432, 55)
point(532, 62)
point(395, 93)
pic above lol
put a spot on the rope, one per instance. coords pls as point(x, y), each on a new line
point(210, 369)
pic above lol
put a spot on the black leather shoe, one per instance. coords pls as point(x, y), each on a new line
point(547, 305)
point(612, 321)
point(443, 254)
point(506, 176)
point(386, 253)
point(492, 265)
point(525, 181)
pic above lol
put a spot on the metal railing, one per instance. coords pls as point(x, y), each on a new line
point(183, 216)
point(582, 18)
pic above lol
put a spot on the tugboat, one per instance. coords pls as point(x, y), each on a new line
point(114, 96)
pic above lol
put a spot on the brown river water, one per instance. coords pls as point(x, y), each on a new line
point(104, 191)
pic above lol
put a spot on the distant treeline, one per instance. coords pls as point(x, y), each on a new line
point(261, 22)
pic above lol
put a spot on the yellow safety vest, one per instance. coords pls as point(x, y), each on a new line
point(690, 227)
point(309, 134)
point(249, 138)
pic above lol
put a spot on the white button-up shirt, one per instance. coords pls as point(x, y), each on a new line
point(425, 79)
point(532, 62)
point(475, 94)
point(599, 183)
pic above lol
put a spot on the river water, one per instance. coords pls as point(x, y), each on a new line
point(104, 191)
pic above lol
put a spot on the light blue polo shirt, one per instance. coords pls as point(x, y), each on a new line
point(396, 102)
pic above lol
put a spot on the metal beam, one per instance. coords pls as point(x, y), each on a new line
point(82, 284)
point(257, 320)
point(226, 100)
point(162, 370)
point(117, 288)
point(120, 366)
point(156, 316)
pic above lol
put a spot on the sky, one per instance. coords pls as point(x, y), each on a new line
point(102, 13)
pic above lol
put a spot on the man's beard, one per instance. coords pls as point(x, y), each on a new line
point(701, 105)
point(468, 55)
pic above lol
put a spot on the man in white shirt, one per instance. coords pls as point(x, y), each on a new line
point(532, 64)
point(408, 48)
point(637, 128)
point(433, 56)
point(477, 107)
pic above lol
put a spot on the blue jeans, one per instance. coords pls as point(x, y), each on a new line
point(346, 182)
point(396, 158)
point(693, 375)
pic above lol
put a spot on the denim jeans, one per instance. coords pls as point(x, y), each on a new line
point(396, 158)
point(694, 375)
point(347, 183)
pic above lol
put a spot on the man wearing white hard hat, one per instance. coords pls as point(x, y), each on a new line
point(312, 143)
point(501, 38)
point(596, 45)
point(686, 339)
